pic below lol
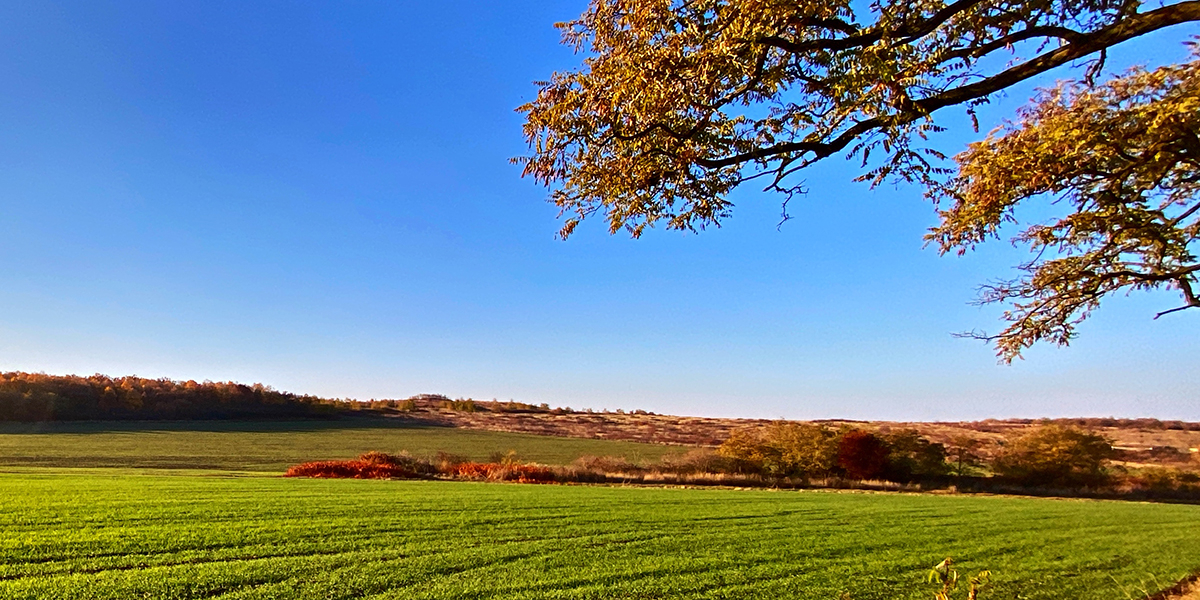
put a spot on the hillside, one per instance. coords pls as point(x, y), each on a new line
point(1138, 441)
point(35, 397)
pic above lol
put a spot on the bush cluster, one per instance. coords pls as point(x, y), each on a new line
point(1055, 455)
point(1053, 459)
point(379, 465)
point(371, 465)
point(810, 451)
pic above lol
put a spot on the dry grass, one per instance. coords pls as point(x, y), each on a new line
point(1135, 437)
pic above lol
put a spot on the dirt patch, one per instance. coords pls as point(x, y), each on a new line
point(1188, 589)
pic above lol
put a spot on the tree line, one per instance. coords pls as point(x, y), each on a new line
point(1052, 459)
point(41, 397)
point(1050, 456)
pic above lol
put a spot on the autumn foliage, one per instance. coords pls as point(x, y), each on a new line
point(378, 465)
point(677, 104)
point(370, 465)
point(41, 397)
point(862, 455)
point(347, 469)
point(503, 472)
point(809, 451)
point(783, 450)
point(1057, 456)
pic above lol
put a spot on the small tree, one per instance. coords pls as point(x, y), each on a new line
point(862, 455)
point(963, 453)
point(910, 455)
point(1056, 455)
point(783, 450)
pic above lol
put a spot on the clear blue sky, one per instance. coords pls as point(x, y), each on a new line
point(318, 197)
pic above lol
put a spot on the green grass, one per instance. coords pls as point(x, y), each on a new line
point(150, 510)
point(274, 446)
point(96, 536)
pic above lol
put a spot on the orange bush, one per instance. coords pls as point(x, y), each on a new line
point(531, 474)
point(371, 465)
point(471, 470)
point(502, 472)
point(347, 469)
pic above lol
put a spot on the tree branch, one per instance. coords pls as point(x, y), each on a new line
point(1082, 45)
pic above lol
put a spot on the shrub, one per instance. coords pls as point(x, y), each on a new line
point(525, 474)
point(964, 454)
point(469, 470)
point(372, 465)
point(445, 461)
point(1164, 479)
point(783, 450)
point(911, 456)
point(862, 455)
point(460, 405)
point(606, 464)
point(1056, 455)
point(403, 462)
point(502, 472)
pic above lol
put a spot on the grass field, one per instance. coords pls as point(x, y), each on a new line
point(273, 446)
point(115, 536)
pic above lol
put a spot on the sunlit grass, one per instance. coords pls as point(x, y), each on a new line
point(274, 446)
point(122, 536)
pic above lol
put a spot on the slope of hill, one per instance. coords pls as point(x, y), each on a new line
point(33, 397)
point(1149, 441)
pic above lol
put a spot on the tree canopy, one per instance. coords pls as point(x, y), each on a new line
point(679, 102)
point(1055, 455)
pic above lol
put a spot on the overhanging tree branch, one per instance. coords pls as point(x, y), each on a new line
point(679, 102)
point(1080, 45)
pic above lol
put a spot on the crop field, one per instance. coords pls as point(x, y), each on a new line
point(119, 536)
point(273, 446)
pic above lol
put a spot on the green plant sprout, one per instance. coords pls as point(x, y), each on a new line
point(945, 575)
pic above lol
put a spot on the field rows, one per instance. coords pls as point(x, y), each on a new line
point(274, 446)
point(174, 537)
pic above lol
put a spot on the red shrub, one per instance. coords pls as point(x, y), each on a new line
point(531, 474)
point(862, 455)
point(377, 465)
point(372, 465)
point(471, 470)
point(346, 469)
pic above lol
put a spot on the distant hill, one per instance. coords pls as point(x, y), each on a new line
point(40, 397)
point(1138, 442)
point(642, 426)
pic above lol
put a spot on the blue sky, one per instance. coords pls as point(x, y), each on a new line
point(318, 197)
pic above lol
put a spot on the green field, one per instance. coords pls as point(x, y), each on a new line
point(120, 536)
point(274, 446)
point(159, 511)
